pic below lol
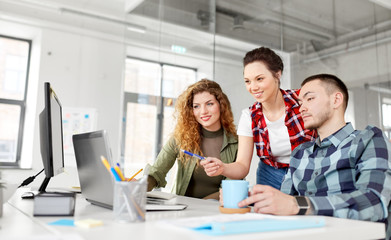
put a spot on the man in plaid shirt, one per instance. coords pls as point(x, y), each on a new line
point(344, 173)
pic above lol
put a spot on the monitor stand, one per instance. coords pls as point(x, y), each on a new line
point(44, 184)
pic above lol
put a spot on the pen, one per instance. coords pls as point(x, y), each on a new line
point(193, 154)
point(115, 174)
point(140, 212)
point(119, 172)
point(106, 163)
point(135, 174)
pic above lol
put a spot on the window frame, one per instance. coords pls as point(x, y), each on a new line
point(386, 129)
point(159, 100)
point(22, 104)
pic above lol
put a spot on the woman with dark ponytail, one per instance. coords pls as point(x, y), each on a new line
point(273, 123)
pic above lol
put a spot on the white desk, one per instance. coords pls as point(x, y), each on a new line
point(17, 221)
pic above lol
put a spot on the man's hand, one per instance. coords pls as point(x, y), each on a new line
point(213, 166)
point(221, 197)
point(269, 200)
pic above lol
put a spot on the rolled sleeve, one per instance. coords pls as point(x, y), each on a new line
point(164, 162)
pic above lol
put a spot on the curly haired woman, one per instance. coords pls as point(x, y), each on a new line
point(205, 126)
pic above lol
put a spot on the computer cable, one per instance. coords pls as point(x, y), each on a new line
point(28, 180)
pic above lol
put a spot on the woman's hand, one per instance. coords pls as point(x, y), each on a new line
point(213, 166)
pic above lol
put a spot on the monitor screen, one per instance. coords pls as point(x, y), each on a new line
point(57, 141)
point(51, 136)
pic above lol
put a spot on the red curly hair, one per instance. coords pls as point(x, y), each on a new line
point(187, 132)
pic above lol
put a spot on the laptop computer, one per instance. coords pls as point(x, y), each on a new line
point(95, 181)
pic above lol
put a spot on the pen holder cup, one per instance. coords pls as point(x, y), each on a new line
point(129, 201)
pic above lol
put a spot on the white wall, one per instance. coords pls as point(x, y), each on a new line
point(86, 72)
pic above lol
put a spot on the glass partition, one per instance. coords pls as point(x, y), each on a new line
point(321, 36)
point(177, 42)
point(184, 41)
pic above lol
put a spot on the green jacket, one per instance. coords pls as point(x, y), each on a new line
point(170, 153)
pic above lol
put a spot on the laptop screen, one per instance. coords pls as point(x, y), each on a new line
point(97, 184)
point(95, 181)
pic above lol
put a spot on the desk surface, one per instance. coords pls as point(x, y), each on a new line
point(18, 222)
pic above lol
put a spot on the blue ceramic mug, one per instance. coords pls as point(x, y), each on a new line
point(234, 191)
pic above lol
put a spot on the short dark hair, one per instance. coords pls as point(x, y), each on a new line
point(272, 61)
point(332, 82)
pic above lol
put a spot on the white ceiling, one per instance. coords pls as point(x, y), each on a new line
point(303, 26)
point(286, 25)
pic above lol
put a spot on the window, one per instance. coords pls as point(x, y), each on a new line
point(150, 92)
point(386, 113)
point(14, 68)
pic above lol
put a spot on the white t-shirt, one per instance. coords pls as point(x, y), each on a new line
point(278, 135)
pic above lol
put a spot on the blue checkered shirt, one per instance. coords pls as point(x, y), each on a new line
point(347, 175)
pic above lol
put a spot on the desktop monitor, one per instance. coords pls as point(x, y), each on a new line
point(51, 137)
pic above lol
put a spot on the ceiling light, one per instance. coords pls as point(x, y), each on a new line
point(136, 28)
point(238, 23)
point(204, 17)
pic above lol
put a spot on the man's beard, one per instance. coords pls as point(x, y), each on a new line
point(321, 119)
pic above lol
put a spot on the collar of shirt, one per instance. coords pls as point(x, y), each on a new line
point(335, 138)
point(289, 100)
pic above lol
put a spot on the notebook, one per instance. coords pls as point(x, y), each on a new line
point(227, 224)
point(95, 180)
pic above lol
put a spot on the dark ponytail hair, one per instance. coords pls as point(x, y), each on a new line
point(267, 56)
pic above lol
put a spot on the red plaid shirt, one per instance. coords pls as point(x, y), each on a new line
point(293, 122)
